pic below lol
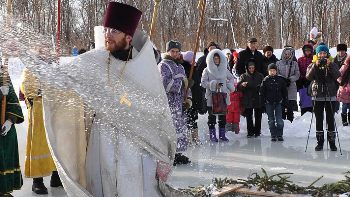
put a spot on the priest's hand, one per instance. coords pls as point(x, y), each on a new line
point(4, 90)
point(6, 127)
point(163, 171)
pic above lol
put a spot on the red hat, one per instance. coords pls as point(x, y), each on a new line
point(122, 17)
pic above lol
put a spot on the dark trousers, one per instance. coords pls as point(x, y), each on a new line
point(192, 117)
point(319, 108)
point(253, 129)
point(274, 114)
point(305, 109)
point(212, 119)
point(287, 111)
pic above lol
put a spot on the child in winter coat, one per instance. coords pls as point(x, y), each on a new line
point(274, 94)
point(234, 109)
point(216, 76)
point(343, 94)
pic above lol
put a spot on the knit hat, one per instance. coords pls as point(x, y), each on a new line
point(272, 66)
point(323, 48)
point(267, 48)
point(250, 62)
point(188, 56)
point(307, 47)
point(342, 47)
point(122, 17)
point(173, 45)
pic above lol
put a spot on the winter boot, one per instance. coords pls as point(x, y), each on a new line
point(180, 159)
point(331, 140)
point(280, 138)
point(195, 137)
point(222, 136)
point(344, 119)
point(38, 186)
point(212, 133)
point(55, 180)
point(320, 140)
point(236, 128)
point(229, 127)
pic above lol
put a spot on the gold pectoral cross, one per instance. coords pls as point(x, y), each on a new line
point(125, 100)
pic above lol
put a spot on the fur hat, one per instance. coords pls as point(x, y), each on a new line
point(122, 17)
point(173, 45)
point(267, 48)
point(323, 48)
point(342, 47)
point(272, 66)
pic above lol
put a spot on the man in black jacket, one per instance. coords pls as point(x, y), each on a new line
point(250, 52)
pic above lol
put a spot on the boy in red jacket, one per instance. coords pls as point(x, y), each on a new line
point(234, 110)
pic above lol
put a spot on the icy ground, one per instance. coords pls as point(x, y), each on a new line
point(241, 156)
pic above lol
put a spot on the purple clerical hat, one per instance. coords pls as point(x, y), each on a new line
point(122, 17)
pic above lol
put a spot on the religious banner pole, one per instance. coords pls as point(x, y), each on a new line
point(58, 31)
point(154, 18)
point(4, 66)
point(201, 5)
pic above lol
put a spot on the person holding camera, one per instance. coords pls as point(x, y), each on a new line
point(324, 74)
point(289, 69)
point(249, 84)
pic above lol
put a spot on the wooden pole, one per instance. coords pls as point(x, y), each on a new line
point(4, 65)
point(58, 31)
point(154, 18)
point(9, 7)
point(201, 4)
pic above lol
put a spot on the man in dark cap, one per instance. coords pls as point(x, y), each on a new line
point(250, 52)
point(131, 144)
point(175, 82)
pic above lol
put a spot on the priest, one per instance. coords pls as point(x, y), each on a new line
point(130, 145)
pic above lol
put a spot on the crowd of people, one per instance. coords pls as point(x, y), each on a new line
point(225, 86)
point(254, 83)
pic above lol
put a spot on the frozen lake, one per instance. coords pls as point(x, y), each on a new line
point(241, 156)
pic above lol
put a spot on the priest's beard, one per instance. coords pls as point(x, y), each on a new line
point(113, 46)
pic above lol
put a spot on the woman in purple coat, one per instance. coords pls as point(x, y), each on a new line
point(175, 81)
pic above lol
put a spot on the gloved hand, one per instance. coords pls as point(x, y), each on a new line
point(288, 82)
point(4, 90)
point(188, 103)
point(285, 103)
point(6, 127)
point(190, 83)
